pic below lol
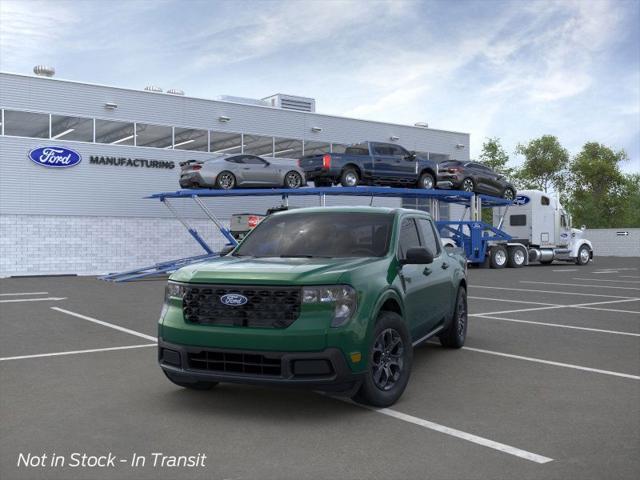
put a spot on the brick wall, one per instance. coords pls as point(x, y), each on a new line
point(607, 242)
point(44, 245)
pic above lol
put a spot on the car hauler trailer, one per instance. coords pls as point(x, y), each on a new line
point(482, 243)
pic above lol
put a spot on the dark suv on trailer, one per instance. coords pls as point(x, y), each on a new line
point(475, 177)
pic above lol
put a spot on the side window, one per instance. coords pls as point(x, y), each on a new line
point(238, 159)
point(408, 236)
point(544, 201)
point(253, 160)
point(398, 151)
point(563, 221)
point(429, 238)
point(382, 150)
point(517, 220)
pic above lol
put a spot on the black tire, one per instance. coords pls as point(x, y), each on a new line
point(584, 255)
point(509, 194)
point(293, 180)
point(225, 180)
point(388, 371)
point(202, 386)
point(517, 257)
point(456, 333)
point(322, 183)
point(468, 185)
point(498, 257)
point(349, 177)
point(426, 181)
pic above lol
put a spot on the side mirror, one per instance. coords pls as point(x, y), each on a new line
point(583, 227)
point(411, 156)
point(226, 250)
point(418, 256)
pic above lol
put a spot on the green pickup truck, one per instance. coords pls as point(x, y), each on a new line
point(333, 299)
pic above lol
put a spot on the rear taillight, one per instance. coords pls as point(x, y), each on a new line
point(300, 162)
point(326, 161)
point(453, 170)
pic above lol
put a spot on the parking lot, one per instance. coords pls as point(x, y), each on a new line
point(547, 386)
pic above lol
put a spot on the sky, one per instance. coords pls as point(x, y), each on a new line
point(514, 69)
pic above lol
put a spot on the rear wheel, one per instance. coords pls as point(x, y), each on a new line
point(456, 333)
point(225, 180)
point(468, 185)
point(191, 385)
point(584, 254)
point(426, 181)
point(389, 362)
point(293, 179)
point(508, 194)
point(498, 257)
point(517, 257)
point(349, 178)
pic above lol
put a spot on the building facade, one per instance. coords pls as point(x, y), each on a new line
point(92, 217)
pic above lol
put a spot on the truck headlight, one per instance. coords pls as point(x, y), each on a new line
point(174, 290)
point(343, 298)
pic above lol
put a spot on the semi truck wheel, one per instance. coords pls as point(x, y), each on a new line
point(584, 254)
point(517, 257)
point(499, 257)
point(389, 363)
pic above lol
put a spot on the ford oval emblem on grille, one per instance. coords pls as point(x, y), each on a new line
point(233, 299)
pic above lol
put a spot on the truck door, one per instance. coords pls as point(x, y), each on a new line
point(564, 232)
point(383, 161)
point(422, 305)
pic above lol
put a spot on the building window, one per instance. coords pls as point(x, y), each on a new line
point(227, 143)
point(316, 148)
point(71, 128)
point(287, 148)
point(115, 133)
point(156, 136)
point(26, 124)
point(258, 145)
point(191, 139)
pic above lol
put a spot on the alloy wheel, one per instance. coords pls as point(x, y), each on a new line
point(351, 179)
point(388, 359)
point(226, 181)
point(508, 194)
point(462, 316)
point(467, 185)
point(427, 182)
point(293, 180)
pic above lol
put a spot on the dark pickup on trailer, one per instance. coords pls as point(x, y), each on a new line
point(371, 163)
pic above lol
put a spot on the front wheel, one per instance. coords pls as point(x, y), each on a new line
point(456, 333)
point(468, 185)
point(508, 194)
point(584, 255)
point(293, 179)
point(498, 257)
point(389, 362)
point(426, 181)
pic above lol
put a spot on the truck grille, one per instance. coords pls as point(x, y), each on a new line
point(235, 362)
point(266, 306)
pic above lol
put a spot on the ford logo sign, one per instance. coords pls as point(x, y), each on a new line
point(233, 299)
point(521, 200)
point(55, 157)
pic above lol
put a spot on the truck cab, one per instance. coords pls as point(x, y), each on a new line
point(540, 223)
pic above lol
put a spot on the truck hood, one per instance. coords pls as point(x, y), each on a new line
point(269, 271)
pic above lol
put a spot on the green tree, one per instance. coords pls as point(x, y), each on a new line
point(599, 194)
point(545, 164)
point(494, 156)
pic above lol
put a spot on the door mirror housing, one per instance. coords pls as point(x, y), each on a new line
point(418, 256)
point(226, 250)
point(410, 156)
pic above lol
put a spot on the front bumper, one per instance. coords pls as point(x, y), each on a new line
point(326, 370)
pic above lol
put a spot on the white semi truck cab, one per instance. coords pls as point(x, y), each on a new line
point(541, 231)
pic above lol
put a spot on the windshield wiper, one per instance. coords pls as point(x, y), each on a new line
point(303, 256)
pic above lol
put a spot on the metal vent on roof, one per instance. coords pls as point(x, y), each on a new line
point(175, 91)
point(153, 88)
point(44, 71)
point(244, 100)
point(292, 102)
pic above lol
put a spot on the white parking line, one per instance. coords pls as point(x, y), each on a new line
point(76, 352)
point(556, 364)
point(577, 305)
point(485, 442)
point(47, 299)
point(636, 312)
point(581, 285)
point(549, 291)
point(22, 293)
point(545, 324)
point(106, 324)
point(567, 270)
point(604, 280)
point(511, 301)
point(628, 276)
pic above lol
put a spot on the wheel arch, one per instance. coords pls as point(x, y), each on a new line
point(430, 171)
point(354, 166)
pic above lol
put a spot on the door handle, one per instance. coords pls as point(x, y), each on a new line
point(445, 265)
point(247, 168)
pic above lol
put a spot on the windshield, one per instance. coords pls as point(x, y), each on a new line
point(320, 234)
